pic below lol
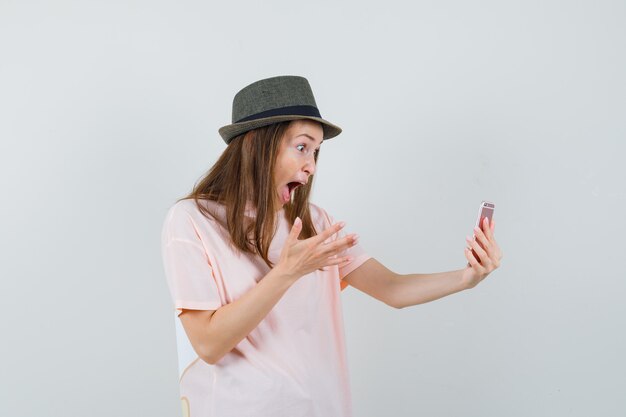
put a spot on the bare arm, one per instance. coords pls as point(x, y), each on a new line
point(400, 291)
point(412, 289)
point(407, 290)
point(214, 333)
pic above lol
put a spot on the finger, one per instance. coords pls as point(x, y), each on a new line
point(472, 260)
point(488, 230)
point(340, 245)
point(295, 231)
point(478, 234)
point(484, 241)
point(496, 256)
point(339, 260)
point(484, 226)
point(493, 225)
point(482, 255)
point(487, 242)
point(492, 249)
point(332, 261)
point(328, 232)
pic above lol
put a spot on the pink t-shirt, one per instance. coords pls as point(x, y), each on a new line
point(293, 364)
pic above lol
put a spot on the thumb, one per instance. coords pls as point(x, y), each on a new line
point(295, 230)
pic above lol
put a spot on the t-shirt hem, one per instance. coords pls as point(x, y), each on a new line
point(195, 305)
point(357, 262)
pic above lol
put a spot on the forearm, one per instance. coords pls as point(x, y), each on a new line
point(412, 289)
point(232, 322)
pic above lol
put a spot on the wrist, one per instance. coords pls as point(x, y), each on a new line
point(279, 273)
point(466, 281)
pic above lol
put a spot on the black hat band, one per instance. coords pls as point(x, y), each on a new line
point(284, 111)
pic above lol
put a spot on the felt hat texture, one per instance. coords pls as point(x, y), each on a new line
point(273, 100)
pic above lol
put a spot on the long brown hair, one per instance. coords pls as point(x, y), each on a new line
point(245, 173)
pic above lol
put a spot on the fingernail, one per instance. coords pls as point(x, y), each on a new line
point(468, 238)
point(342, 224)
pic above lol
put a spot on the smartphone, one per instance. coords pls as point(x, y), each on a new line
point(486, 209)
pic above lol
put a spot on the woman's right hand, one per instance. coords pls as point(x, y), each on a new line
point(301, 257)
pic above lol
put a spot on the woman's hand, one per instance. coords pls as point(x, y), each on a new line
point(488, 252)
point(301, 257)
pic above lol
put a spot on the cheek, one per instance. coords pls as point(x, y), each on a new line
point(290, 160)
point(285, 168)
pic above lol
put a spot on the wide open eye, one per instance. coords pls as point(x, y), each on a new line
point(302, 148)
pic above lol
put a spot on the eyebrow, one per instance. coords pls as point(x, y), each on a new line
point(309, 136)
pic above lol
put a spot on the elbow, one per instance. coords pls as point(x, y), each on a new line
point(208, 355)
point(211, 360)
point(395, 305)
point(392, 299)
point(392, 302)
point(211, 357)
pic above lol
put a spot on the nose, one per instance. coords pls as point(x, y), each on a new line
point(309, 167)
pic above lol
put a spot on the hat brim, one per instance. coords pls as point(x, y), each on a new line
point(230, 131)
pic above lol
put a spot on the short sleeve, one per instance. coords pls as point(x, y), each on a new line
point(187, 267)
point(357, 252)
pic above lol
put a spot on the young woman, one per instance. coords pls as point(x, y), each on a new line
point(255, 270)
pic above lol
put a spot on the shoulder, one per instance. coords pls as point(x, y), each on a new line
point(182, 219)
point(183, 209)
point(189, 209)
point(180, 206)
point(319, 214)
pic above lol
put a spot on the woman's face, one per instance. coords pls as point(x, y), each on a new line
point(295, 161)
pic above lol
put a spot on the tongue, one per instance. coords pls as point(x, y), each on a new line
point(286, 195)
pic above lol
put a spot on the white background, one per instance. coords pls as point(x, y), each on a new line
point(109, 112)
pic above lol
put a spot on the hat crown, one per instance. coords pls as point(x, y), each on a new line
point(274, 100)
point(272, 93)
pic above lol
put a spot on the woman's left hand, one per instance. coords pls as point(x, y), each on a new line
point(488, 252)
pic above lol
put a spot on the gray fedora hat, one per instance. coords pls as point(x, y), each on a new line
point(273, 100)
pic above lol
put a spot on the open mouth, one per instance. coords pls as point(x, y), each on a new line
point(287, 193)
point(293, 185)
